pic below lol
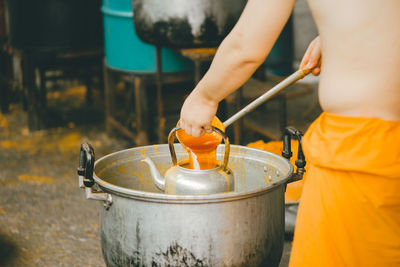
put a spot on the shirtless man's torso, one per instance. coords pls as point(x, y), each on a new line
point(360, 42)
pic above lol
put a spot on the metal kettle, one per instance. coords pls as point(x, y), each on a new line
point(183, 181)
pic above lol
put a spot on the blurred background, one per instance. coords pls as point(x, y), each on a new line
point(114, 73)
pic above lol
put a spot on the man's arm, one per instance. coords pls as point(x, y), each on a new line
point(237, 58)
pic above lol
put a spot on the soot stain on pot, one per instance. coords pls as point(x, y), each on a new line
point(174, 32)
point(138, 235)
point(116, 257)
point(176, 256)
point(177, 32)
point(136, 260)
point(209, 31)
point(112, 252)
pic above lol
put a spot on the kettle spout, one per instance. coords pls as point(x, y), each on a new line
point(158, 179)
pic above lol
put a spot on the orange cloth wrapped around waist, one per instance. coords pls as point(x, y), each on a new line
point(349, 213)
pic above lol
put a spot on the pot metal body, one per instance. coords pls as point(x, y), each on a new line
point(144, 227)
point(185, 24)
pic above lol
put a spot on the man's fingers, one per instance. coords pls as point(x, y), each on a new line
point(207, 129)
point(314, 56)
point(197, 131)
point(305, 59)
point(316, 71)
point(188, 130)
point(202, 132)
point(307, 54)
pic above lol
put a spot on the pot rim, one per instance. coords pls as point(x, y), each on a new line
point(218, 197)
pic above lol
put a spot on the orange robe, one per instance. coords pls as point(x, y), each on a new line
point(349, 213)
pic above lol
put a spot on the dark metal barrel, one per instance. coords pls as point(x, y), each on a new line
point(185, 24)
point(48, 24)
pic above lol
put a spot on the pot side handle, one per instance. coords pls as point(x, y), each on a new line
point(287, 152)
point(86, 165)
point(85, 176)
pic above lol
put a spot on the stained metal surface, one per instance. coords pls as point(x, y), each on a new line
point(145, 227)
point(184, 24)
point(246, 232)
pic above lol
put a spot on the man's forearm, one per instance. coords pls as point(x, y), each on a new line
point(230, 69)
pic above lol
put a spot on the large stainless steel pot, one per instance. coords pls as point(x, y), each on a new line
point(183, 23)
point(141, 226)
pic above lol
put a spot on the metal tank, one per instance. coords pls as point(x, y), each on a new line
point(141, 226)
point(185, 24)
point(68, 25)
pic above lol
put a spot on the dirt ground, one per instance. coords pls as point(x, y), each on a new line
point(45, 219)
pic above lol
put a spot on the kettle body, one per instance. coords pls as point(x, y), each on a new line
point(182, 181)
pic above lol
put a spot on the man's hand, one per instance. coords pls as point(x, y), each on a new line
point(312, 57)
point(197, 114)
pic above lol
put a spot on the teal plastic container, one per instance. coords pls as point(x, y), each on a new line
point(123, 48)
